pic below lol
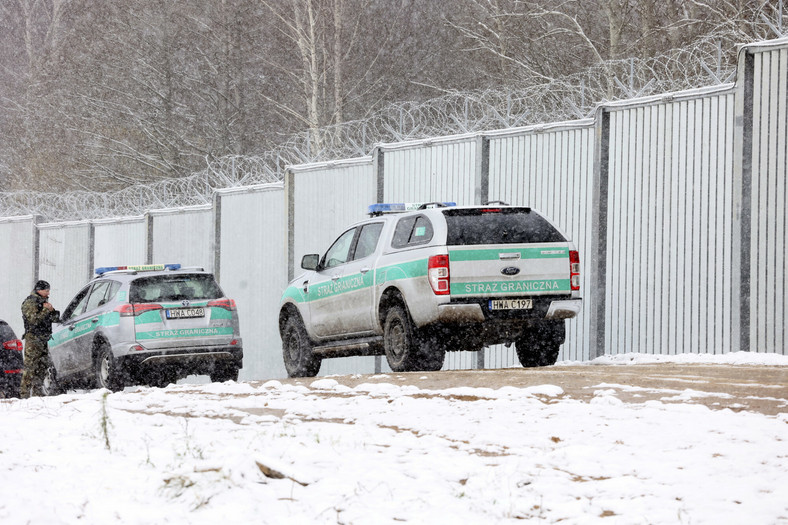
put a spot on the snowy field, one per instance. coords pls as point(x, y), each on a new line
point(380, 453)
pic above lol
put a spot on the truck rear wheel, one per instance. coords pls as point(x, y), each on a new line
point(297, 350)
point(539, 346)
point(399, 340)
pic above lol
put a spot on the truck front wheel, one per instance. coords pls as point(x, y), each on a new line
point(299, 359)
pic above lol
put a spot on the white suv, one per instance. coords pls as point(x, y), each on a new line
point(416, 284)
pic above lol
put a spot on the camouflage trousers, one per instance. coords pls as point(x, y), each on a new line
point(36, 364)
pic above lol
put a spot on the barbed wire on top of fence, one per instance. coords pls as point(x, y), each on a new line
point(567, 98)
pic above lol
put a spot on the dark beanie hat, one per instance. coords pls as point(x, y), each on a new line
point(42, 285)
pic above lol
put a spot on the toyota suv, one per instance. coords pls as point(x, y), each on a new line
point(148, 324)
point(413, 284)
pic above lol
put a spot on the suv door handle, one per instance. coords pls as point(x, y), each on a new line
point(334, 277)
point(364, 270)
point(306, 286)
point(94, 320)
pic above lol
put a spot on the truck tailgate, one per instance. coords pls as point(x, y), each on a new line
point(509, 270)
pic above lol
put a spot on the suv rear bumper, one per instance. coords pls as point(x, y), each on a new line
point(183, 361)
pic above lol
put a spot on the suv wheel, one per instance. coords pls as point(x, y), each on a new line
point(400, 341)
point(297, 350)
point(106, 370)
point(539, 346)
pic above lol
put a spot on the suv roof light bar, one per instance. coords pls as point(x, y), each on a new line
point(137, 268)
point(378, 209)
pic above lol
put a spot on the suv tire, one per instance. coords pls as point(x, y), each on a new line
point(106, 370)
point(539, 345)
point(299, 359)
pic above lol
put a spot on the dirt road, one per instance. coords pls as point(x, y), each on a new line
point(761, 389)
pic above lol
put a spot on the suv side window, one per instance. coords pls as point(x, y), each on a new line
point(367, 240)
point(340, 250)
point(97, 295)
point(77, 306)
point(412, 231)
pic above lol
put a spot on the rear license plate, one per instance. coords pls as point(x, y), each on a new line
point(184, 313)
point(511, 304)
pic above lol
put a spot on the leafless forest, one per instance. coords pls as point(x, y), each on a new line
point(100, 95)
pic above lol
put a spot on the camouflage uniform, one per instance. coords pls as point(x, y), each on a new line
point(38, 329)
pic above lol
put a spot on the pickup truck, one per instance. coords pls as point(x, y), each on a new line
point(412, 284)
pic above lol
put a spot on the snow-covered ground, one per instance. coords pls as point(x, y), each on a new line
point(383, 452)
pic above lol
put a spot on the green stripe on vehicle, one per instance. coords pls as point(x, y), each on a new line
point(343, 284)
point(84, 327)
point(504, 287)
point(456, 255)
point(406, 270)
point(185, 332)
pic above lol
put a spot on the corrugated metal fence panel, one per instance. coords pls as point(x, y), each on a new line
point(325, 199)
point(551, 170)
point(16, 268)
point(65, 259)
point(120, 241)
point(442, 169)
point(183, 236)
point(768, 289)
point(253, 271)
point(670, 225)
point(438, 170)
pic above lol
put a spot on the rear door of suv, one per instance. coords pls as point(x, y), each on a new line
point(507, 253)
point(181, 310)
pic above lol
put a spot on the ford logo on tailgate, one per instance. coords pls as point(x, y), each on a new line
point(510, 270)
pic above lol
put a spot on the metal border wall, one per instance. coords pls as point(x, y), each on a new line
point(550, 168)
point(670, 224)
point(767, 80)
point(65, 258)
point(314, 221)
point(171, 236)
point(120, 241)
point(250, 234)
point(18, 267)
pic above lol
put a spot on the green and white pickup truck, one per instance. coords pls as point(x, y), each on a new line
point(415, 284)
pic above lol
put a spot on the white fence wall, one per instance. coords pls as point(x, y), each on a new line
point(172, 239)
point(768, 301)
point(251, 235)
point(551, 169)
point(65, 259)
point(322, 199)
point(17, 268)
point(670, 224)
point(120, 241)
point(443, 169)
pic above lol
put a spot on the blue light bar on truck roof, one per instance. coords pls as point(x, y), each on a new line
point(395, 207)
point(138, 268)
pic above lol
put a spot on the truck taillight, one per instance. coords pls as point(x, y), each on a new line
point(134, 309)
point(438, 274)
point(574, 269)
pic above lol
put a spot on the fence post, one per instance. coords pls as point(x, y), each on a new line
point(481, 197)
point(742, 205)
point(599, 205)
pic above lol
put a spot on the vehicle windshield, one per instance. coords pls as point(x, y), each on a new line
point(498, 226)
point(162, 288)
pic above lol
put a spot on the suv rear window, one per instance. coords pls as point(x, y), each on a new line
point(412, 231)
point(163, 288)
point(498, 226)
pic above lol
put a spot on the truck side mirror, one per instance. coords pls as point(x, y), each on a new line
point(310, 261)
